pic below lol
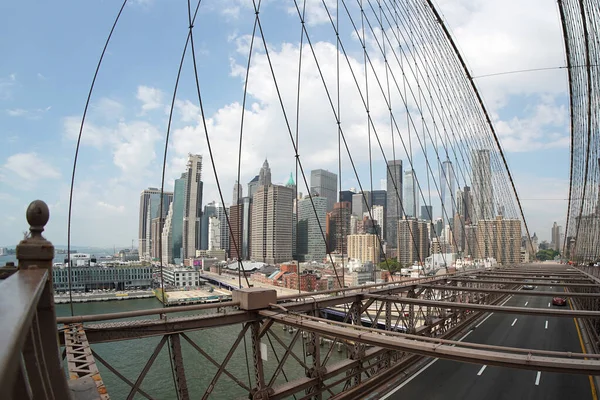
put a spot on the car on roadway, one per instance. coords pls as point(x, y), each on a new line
point(559, 301)
point(555, 281)
point(528, 287)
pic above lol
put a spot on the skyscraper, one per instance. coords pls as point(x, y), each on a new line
point(447, 192)
point(464, 204)
point(346, 196)
point(324, 183)
point(214, 233)
point(394, 201)
point(272, 224)
point(177, 219)
point(210, 210)
point(339, 227)
point(555, 237)
point(427, 213)
point(221, 214)
point(411, 200)
point(483, 194)
point(501, 239)
point(252, 186)
point(413, 241)
point(192, 206)
point(237, 193)
point(167, 238)
point(312, 245)
point(264, 177)
point(379, 198)
point(361, 202)
point(149, 209)
point(239, 235)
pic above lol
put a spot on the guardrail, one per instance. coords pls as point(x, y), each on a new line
point(30, 366)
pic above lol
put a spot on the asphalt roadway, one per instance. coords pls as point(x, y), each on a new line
point(448, 380)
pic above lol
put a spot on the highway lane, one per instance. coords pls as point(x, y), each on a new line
point(447, 380)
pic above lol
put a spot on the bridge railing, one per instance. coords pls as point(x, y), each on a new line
point(30, 366)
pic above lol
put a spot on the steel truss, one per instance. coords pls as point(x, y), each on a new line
point(384, 330)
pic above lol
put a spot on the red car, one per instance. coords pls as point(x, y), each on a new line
point(559, 301)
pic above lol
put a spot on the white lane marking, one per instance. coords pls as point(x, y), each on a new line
point(546, 325)
point(505, 301)
point(548, 304)
point(481, 370)
point(461, 339)
point(514, 322)
point(537, 378)
point(477, 326)
point(406, 382)
point(526, 303)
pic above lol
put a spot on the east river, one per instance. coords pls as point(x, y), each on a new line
point(130, 356)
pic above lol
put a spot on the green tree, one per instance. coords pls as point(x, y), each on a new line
point(390, 265)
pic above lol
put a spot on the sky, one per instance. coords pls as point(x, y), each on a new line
point(50, 52)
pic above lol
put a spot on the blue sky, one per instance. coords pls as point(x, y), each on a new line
point(50, 51)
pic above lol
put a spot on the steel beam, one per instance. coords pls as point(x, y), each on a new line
point(122, 330)
point(508, 291)
point(445, 351)
point(537, 283)
point(141, 313)
point(484, 307)
point(179, 369)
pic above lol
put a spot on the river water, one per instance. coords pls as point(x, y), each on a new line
point(130, 356)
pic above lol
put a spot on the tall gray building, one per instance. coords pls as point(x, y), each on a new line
point(237, 193)
point(192, 206)
point(252, 186)
point(556, 242)
point(177, 219)
point(264, 176)
point(149, 209)
point(210, 210)
point(271, 238)
point(447, 189)
point(464, 204)
point(483, 195)
point(311, 242)
point(427, 213)
point(324, 183)
point(413, 241)
point(361, 202)
point(411, 200)
point(393, 209)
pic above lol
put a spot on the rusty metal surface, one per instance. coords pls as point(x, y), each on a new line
point(80, 361)
point(123, 330)
point(19, 295)
point(141, 313)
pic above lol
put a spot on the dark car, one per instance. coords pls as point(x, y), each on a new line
point(559, 301)
point(528, 287)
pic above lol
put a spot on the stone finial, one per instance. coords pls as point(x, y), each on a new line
point(38, 215)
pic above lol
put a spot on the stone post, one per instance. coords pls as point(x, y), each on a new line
point(35, 251)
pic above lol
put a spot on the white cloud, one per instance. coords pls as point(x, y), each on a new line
point(111, 207)
point(36, 113)
point(27, 168)
point(150, 97)
point(314, 11)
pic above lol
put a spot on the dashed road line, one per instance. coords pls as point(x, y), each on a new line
point(514, 322)
point(481, 370)
point(546, 325)
point(537, 378)
point(526, 303)
point(477, 326)
point(548, 304)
